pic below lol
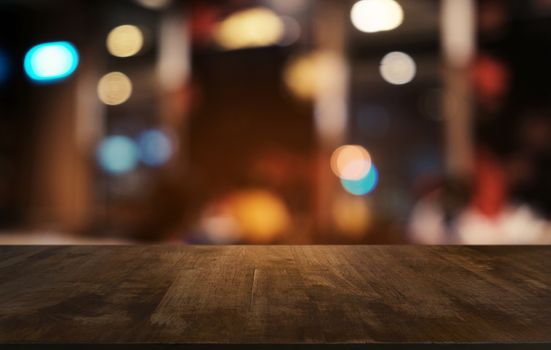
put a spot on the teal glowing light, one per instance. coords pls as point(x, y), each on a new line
point(117, 154)
point(52, 61)
point(364, 185)
point(155, 147)
point(4, 67)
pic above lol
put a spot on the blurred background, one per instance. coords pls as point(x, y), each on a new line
point(275, 121)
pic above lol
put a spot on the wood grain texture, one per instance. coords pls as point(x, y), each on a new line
point(275, 294)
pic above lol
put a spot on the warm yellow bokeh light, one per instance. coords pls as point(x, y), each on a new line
point(352, 216)
point(351, 162)
point(301, 75)
point(370, 16)
point(261, 215)
point(114, 88)
point(125, 41)
point(249, 28)
point(312, 74)
point(397, 68)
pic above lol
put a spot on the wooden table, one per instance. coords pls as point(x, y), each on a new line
point(268, 297)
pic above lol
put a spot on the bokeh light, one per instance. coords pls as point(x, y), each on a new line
point(125, 41)
point(4, 67)
point(117, 154)
point(364, 185)
point(352, 216)
point(370, 16)
point(155, 147)
point(154, 4)
point(287, 7)
point(397, 68)
point(291, 32)
point(51, 61)
point(373, 121)
point(220, 226)
point(114, 88)
point(253, 27)
point(301, 74)
point(351, 162)
point(262, 216)
point(309, 74)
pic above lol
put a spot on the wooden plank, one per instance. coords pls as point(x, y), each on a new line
point(370, 295)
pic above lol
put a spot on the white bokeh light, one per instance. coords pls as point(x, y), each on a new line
point(114, 88)
point(51, 61)
point(154, 4)
point(125, 41)
point(397, 68)
point(370, 16)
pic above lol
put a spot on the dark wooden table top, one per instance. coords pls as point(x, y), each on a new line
point(368, 295)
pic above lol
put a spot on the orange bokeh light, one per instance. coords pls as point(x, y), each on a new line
point(351, 162)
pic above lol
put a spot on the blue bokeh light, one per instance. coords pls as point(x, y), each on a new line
point(155, 147)
point(117, 154)
point(51, 61)
point(364, 185)
point(4, 67)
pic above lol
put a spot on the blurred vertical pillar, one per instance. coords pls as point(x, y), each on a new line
point(173, 71)
point(68, 124)
point(330, 102)
point(458, 44)
point(66, 117)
